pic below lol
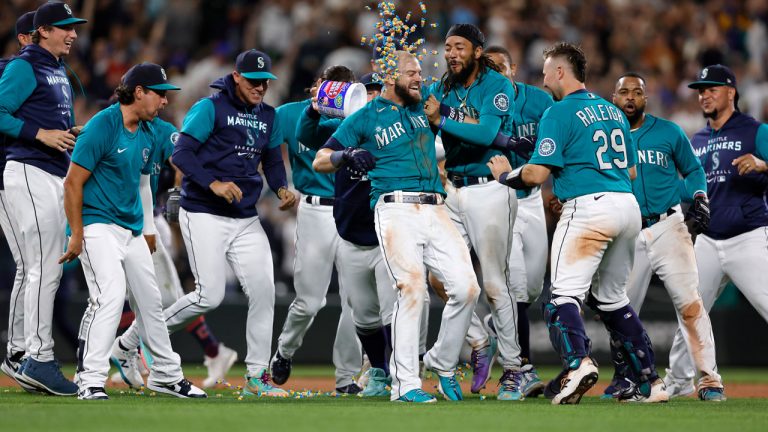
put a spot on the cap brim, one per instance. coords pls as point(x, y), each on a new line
point(700, 84)
point(69, 21)
point(163, 87)
point(258, 75)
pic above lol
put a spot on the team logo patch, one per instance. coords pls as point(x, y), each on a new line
point(145, 155)
point(66, 8)
point(174, 137)
point(715, 160)
point(65, 92)
point(547, 147)
point(501, 101)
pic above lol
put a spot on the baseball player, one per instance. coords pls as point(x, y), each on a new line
point(391, 139)
point(664, 245)
point(584, 141)
point(16, 348)
point(33, 83)
point(317, 246)
point(224, 139)
point(482, 209)
point(528, 260)
point(218, 358)
point(107, 214)
point(360, 263)
point(732, 148)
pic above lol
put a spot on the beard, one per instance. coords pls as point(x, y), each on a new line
point(461, 76)
point(402, 92)
point(710, 115)
point(639, 111)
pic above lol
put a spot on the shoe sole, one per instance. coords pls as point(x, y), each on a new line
point(116, 363)
point(29, 388)
point(535, 390)
point(247, 392)
point(229, 363)
point(41, 386)
point(416, 402)
point(586, 383)
point(172, 393)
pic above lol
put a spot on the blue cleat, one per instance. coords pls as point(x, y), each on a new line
point(712, 394)
point(261, 385)
point(48, 376)
point(510, 385)
point(417, 396)
point(449, 388)
point(531, 385)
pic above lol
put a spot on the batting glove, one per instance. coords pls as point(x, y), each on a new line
point(700, 213)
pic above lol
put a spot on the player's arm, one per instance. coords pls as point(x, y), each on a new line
point(149, 230)
point(755, 163)
point(312, 130)
point(343, 148)
point(274, 168)
point(529, 175)
point(548, 157)
point(16, 85)
point(694, 179)
point(73, 207)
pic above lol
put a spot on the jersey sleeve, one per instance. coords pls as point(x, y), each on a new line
point(199, 121)
point(497, 101)
point(276, 137)
point(351, 132)
point(93, 142)
point(630, 147)
point(16, 85)
point(551, 142)
point(761, 142)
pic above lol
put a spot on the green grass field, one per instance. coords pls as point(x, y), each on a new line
point(127, 411)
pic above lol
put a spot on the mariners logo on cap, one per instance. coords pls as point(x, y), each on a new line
point(501, 101)
point(66, 8)
point(704, 73)
point(547, 147)
point(261, 62)
point(165, 77)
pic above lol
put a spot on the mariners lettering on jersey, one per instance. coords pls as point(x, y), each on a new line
point(593, 114)
point(653, 157)
point(248, 120)
point(717, 143)
point(57, 78)
point(527, 129)
point(385, 135)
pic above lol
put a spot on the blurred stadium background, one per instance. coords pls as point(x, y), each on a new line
point(197, 41)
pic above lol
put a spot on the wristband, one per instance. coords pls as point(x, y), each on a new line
point(442, 122)
point(337, 158)
point(516, 182)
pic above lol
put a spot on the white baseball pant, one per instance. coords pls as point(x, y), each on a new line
point(111, 257)
point(212, 242)
point(484, 215)
point(317, 244)
point(16, 342)
point(415, 238)
point(665, 248)
point(594, 245)
point(38, 212)
point(741, 259)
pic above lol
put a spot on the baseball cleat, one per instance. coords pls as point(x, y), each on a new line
point(48, 376)
point(482, 363)
point(677, 387)
point(554, 386)
point(449, 388)
point(656, 394)
point(219, 366)
point(378, 383)
point(576, 382)
point(531, 385)
point(416, 396)
point(619, 384)
point(510, 385)
point(182, 389)
point(127, 364)
point(11, 366)
point(712, 394)
point(280, 368)
point(92, 393)
point(259, 385)
point(351, 389)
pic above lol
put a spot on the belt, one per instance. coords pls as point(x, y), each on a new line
point(316, 200)
point(414, 198)
point(653, 219)
point(459, 181)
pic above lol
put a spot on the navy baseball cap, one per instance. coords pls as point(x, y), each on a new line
point(254, 65)
point(25, 23)
point(713, 76)
point(55, 14)
point(371, 80)
point(148, 75)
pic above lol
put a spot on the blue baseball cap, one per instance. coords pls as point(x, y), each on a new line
point(714, 76)
point(55, 14)
point(148, 75)
point(253, 64)
point(25, 23)
point(371, 80)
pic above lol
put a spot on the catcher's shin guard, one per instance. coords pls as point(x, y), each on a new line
point(566, 332)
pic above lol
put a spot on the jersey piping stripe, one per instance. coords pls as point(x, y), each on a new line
point(559, 252)
point(510, 234)
point(193, 268)
point(87, 344)
point(23, 270)
point(40, 244)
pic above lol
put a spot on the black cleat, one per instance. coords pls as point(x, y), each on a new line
point(281, 368)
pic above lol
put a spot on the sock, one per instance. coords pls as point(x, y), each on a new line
point(374, 343)
point(126, 318)
point(388, 335)
point(523, 332)
point(202, 333)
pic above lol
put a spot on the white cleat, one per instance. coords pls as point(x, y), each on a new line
point(182, 389)
point(576, 383)
point(677, 387)
point(127, 364)
point(219, 366)
point(658, 394)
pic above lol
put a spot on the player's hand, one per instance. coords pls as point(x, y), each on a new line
point(288, 199)
point(432, 109)
point(749, 163)
point(74, 249)
point(172, 205)
point(227, 190)
point(555, 206)
point(313, 92)
point(359, 159)
point(499, 165)
point(699, 212)
point(151, 240)
point(75, 130)
point(522, 146)
point(57, 139)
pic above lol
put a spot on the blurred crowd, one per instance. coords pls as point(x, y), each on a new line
point(197, 41)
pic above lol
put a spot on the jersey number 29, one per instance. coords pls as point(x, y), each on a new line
point(617, 143)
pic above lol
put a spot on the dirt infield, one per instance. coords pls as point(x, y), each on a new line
point(326, 384)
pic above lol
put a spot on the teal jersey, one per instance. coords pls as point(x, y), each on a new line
point(305, 179)
point(165, 136)
point(116, 159)
point(530, 104)
point(468, 147)
point(586, 140)
point(663, 150)
point(401, 140)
